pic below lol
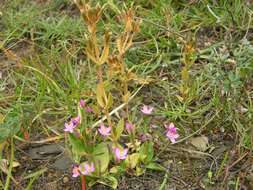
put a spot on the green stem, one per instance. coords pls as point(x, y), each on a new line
point(126, 92)
point(132, 137)
point(7, 183)
point(125, 83)
point(108, 117)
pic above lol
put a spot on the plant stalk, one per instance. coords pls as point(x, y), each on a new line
point(83, 182)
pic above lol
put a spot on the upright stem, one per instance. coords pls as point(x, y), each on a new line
point(8, 178)
point(99, 73)
point(94, 41)
point(108, 117)
point(133, 140)
point(126, 41)
point(26, 134)
point(96, 52)
point(125, 92)
point(125, 83)
point(83, 182)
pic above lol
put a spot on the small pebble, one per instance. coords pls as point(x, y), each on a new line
point(65, 180)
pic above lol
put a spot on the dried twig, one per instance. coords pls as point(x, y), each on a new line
point(40, 141)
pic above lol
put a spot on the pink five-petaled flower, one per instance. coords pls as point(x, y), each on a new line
point(172, 132)
point(120, 154)
point(129, 127)
point(86, 168)
point(75, 171)
point(82, 103)
point(76, 120)
point(147, 110)
point(104, 131)
point(69, 127)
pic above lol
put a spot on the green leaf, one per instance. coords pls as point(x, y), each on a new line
point(109, 181)
point(78, 146)
point(110, 101)
point(155, 166)
point(119, 129)
point(118, 170)
point(106, 49)
point(10, 125)
point(101, 96)
point(139, 171)
point(210, 174)
point(1, 118)
point(101, 157)
point(165, 179)
point(146, 152)
point(114, 169)
point(132, 160)
point(185, 74)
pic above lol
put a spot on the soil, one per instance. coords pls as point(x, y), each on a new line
point(187, 169)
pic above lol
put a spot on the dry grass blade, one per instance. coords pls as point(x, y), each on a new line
point(48, 140)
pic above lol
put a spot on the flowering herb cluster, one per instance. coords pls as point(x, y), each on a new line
point(128, 154)
point(103, 152)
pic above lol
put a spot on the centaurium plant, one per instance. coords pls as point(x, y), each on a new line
point(172, 133)
point(101, 153)
point(120, 154)
point(104, 131)
point(147, 110)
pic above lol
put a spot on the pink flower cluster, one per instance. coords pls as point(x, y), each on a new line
point(129, 127)
point(120, 154)
point(172, 133)
point(147, 110)
point(88, 168)
point(70, 126)
point(84, 169)
point(104, 131)
point(82, 104)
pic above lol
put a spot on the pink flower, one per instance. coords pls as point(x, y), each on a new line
point(75, 171)
point(86, 168)
point(104, 131)
point(69, 127)
point(120, 154)
point(76, 120)
point(172, 132)
point(82, 103)
point(129, 127)
point(88, 109)
point(147, 110)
